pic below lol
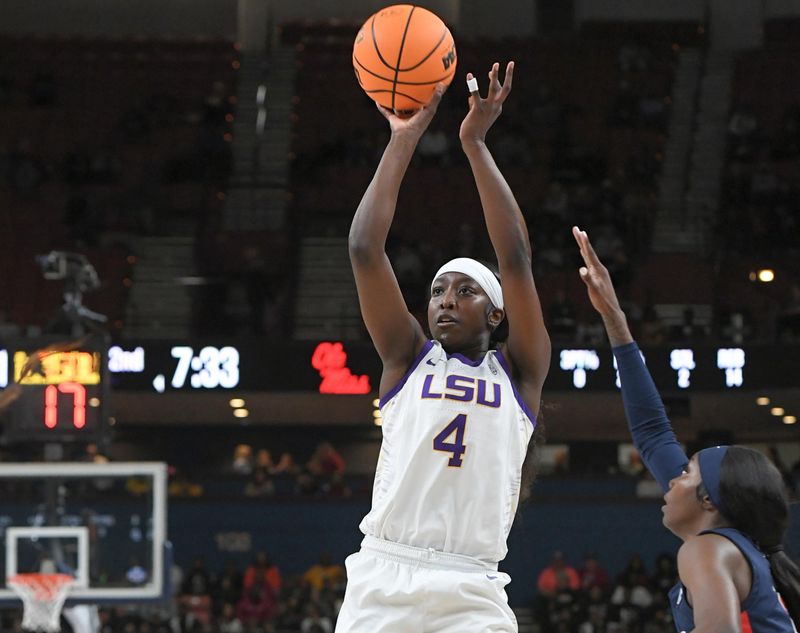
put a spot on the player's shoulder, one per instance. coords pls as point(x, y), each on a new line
point(709, 549)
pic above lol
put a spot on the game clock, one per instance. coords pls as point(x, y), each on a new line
point(63, 399)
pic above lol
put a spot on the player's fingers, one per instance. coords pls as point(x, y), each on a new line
point(507, 81)
point(472, 86)
point(384, 112)
point(494, 82)
point(438, 93)
point(590, 254)
point(579, 239)
point(429, 110)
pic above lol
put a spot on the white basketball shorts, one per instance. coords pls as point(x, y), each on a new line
point(393, 588)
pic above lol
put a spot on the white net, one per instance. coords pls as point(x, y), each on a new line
point(43, 596)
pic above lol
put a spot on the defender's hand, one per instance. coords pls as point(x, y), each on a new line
point(596, 277)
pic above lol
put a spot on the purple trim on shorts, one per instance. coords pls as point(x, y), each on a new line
point(393, 391)
point(501, 359)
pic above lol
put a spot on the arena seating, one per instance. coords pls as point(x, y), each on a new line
point(104, 129)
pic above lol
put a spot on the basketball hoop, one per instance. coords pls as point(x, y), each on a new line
point(42, 595)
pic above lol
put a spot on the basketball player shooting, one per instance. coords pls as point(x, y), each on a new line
point(459, 408)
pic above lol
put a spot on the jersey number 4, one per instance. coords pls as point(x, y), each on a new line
point(455, 427)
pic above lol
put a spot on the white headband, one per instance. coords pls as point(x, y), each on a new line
point(480, 273)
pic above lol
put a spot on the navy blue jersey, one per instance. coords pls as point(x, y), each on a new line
point(762, 610)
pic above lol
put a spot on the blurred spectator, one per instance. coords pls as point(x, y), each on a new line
point(314, 622)
point(635, 572)
point(666, 573)
point(548, 580)
point(264, 460)
point(563, 607)
point(261, 484)
point(631, 597)
point(594, 608)
point(326, 460)
point(197, 581)
point(256, 606)
point(228, 587)
point(262, 566)
point(337, 487)
point(242, 459)
point(229, 622)
point(286, 465)
point(324, 573)
point(593, 575)
point(181, 486)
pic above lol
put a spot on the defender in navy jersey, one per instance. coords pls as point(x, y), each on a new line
point(458, 411)
point(727, 503)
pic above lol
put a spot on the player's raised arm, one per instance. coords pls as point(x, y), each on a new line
point(395, 332)
point(528, 345)
point(647, 419)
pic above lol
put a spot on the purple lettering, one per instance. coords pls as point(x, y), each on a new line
point(467, 392)
point(482, 394)
point(426, 388)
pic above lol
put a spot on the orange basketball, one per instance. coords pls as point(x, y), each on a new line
point(400, 54)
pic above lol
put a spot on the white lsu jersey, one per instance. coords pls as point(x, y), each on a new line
point(455, 435)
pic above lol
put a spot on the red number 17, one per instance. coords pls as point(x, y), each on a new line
point(78, 392)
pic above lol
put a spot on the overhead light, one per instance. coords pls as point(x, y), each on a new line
point(236, 403)
point(766, 275)
point(763, 401)
point(240, 413)
point(789, 419)
point(777, 411)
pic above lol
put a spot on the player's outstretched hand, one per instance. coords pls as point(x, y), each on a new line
point(596, 277)
point(414, 126)
point(484, 112)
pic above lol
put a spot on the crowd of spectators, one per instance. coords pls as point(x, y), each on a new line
point(589, 600)
point(256, 475)
point(259, 598)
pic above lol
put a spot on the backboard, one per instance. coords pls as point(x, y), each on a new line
point(103, 523)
